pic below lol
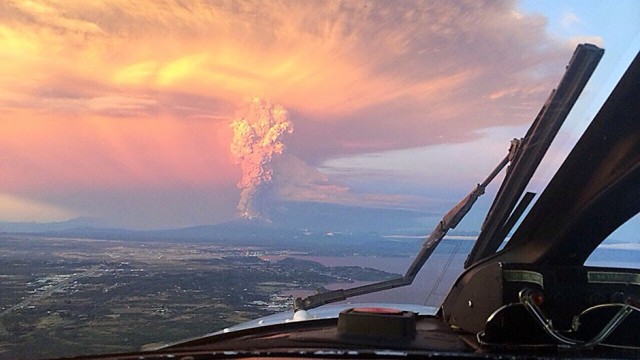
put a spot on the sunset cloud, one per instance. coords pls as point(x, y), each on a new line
point(126, 93)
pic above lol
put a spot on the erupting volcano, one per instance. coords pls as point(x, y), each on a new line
point(258, 138)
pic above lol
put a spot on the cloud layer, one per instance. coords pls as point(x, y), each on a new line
point(126, 94)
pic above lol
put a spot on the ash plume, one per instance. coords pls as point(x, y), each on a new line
point(257, 140)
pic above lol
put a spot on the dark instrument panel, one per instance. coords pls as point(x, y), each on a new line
point(563, 292)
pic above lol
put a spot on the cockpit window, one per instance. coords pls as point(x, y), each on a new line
point(621, 249)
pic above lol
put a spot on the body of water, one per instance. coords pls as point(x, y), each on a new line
point(437, 276)
point(429, 287)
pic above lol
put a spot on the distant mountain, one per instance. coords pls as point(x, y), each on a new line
point(237, 229)
point(298, 224)
point(307, 227)
point(244, 232)
point(304, 221)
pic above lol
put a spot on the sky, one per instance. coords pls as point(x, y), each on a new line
point(122, 110)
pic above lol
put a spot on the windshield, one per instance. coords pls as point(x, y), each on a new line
point(173, 168)
point(620, 248)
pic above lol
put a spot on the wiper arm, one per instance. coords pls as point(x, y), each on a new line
point(449, 221)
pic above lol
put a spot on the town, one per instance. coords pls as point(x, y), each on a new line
point(79, 296)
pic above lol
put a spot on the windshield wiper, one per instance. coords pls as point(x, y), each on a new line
point(501, 216)
point(449, 221)
point(525, 155)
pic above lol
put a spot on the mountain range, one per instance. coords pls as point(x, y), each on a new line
point(286, 220)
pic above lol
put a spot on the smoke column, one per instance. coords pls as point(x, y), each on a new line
point(257, 139)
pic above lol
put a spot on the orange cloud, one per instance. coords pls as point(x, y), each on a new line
point(349, 57)
point(130, 93)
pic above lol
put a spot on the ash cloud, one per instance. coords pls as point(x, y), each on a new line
point(258, 139)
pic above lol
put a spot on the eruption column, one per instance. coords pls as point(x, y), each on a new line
point(257, 139)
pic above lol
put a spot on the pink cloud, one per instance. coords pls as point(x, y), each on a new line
point(124, 94)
